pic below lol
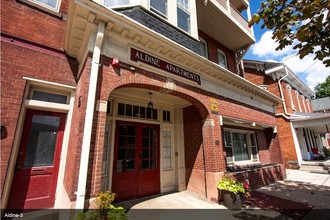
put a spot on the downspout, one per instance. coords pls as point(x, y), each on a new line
point(291, 116)
point(83, 169)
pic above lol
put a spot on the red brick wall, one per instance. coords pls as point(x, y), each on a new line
point(29, 23)
point(213, 45)
point(286, 141)
point(238, 110)
point(20, 59)
point(259, 177)
point(259, 78)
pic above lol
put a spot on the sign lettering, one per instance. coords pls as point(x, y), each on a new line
point(137, 55)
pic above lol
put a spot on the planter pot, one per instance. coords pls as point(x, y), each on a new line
point(230, 200)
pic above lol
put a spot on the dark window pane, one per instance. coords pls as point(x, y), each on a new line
point(121, 109)
point(49, 97)
point(183, 20)
point(131, 130)
point(42, 141)
point(129, 110)
point(155, 114)
point(159, 6)
point(136, 111)
point(149, 110)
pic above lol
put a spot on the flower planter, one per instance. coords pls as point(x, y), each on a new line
point(230, 200)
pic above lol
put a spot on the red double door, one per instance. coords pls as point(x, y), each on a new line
point(36, 171)
point(136, 164)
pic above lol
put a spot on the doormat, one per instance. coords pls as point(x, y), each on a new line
point(295, 210)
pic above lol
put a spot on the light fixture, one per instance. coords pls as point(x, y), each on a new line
point(150, 104)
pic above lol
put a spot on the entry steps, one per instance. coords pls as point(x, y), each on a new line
point(316, 166)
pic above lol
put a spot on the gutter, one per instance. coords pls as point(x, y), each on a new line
point(85, 150)
point(286, 115)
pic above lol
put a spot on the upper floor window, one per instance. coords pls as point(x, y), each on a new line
point(112, 3)
point(222, 59)
point(159, 7)
point(204, 50)
point(51, 6)
point(183, 14)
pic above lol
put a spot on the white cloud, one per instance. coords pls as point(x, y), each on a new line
point(265, 47)
point(309, 70)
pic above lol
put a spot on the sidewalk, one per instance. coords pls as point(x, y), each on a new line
point(192, 206)
point(307, 177)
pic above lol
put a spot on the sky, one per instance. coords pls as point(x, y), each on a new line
point(310, 71)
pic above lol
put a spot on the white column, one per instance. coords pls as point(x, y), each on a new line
point(83, 169)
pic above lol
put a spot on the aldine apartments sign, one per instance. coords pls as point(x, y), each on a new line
point(140, 56)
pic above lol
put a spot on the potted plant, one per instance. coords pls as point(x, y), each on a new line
point(231, 191)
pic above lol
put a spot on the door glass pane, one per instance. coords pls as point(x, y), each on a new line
point(240, 147)
point(42, 141)
point(149, 148)
point(126, 153)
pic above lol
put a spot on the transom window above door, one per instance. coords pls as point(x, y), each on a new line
point(135, 111)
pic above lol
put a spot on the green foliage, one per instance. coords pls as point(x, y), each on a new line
point(323, 89)
point(230, 184)
point(306, 21)
point(106, 210)
point(326, 151)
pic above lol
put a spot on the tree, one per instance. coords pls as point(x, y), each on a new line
point(302, 23)
point(323, 89)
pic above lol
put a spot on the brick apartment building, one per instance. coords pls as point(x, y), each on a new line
point(138, 97)
point(300, 129)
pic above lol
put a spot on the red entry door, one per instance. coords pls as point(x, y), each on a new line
point(36, 171)
point(136, 165)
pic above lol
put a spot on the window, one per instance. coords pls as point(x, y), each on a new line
point(204, 49)
point(167, 152)
point(49, 97)
point(222, 60)
point(183, 15)
point(159, 7)
point(166, 116)
point(112, 3)
point(51, 5)
point(240, 146)
point(137, 111)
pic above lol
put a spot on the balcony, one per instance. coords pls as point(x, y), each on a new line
point(223, 20)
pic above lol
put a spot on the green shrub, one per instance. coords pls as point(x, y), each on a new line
point(230, 184)
point(106, 211)
point(326, 151)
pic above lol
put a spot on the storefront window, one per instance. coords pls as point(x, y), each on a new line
point(240, 146)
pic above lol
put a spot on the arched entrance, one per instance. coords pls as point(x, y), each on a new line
point(144, 150)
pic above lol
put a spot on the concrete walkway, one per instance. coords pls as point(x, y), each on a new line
point(192, 206)
point(300, 186)
point(307, 177)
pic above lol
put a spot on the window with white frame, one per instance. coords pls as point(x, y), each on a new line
point(204, 49)
point(222, 59)
point(52, 5)
point(167, 148)
point(183, 15)
point(115, 3)
point(159, 7)
point(240, 146)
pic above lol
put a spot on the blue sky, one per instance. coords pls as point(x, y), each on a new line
point(308, 70)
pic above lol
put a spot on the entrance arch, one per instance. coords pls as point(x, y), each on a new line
point(127, 101)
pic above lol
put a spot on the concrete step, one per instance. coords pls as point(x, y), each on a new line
point(315, 168)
